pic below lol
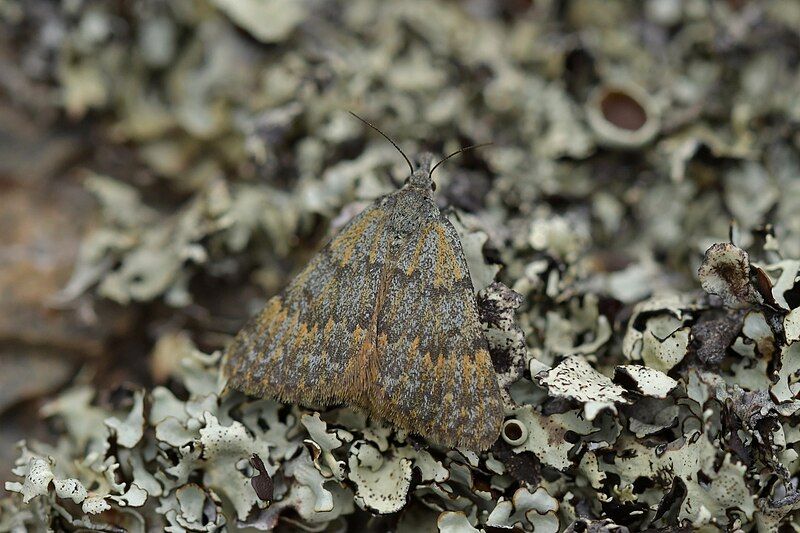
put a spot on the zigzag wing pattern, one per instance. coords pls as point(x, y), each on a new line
point(309, 344)
point(435, 375)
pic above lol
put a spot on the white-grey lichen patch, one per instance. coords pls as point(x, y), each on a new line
point(658, 332)
point(190, 508)
point(267, 21)
point(646, 381)
point(323, 442)
point(531, 511)
point(95, 505)
point(454, 522)
point(547, 435)
point(382, 483)
point(558, 236)
point(791, 325)
point(472, 241)
point(223, 449)
point(70, 488)
point(37, 474)
point(135, 496)
point(129, 431)
point(575, 379)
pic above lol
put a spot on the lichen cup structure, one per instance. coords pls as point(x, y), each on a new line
point(623, 115)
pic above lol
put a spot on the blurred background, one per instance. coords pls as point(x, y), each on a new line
point(165, 166)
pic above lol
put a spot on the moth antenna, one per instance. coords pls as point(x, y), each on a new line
point(470, 147)
point(410, 166)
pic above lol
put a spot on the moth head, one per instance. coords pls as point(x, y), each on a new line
point(420, 177)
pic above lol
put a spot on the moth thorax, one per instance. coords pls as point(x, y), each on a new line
point(420, 179)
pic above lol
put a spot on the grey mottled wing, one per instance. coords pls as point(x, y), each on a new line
point(311, 343)
point(434, 374)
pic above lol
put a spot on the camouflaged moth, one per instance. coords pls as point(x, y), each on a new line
point(383, 319)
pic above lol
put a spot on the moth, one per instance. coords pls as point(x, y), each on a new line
point(383, 319)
